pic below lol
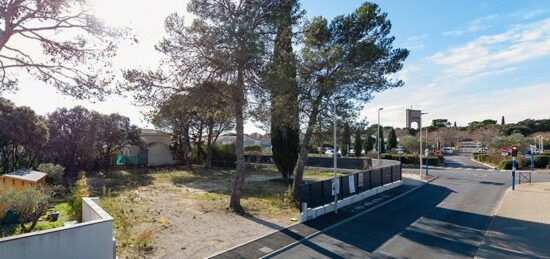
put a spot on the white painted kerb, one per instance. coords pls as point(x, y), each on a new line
point(310, 214)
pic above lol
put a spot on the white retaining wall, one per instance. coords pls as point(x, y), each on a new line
point(91, 239)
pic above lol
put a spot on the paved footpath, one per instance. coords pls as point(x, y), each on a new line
point(288, 236)
point(521, 226)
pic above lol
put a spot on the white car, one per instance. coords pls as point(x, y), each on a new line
point(448, 150)
point(330, 152)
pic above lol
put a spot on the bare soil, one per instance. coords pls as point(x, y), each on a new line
point(177, 214)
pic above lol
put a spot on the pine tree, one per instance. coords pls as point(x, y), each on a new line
point(285, 128)
point(392, 139)
point(502, 122)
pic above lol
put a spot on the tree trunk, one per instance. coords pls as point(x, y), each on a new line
point(208, 161)
point(238, 97)
point(302, 157)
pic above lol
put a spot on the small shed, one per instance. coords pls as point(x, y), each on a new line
point(21, 179)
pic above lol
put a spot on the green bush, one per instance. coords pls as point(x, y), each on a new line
point(54, 173)
point(77, 193)
point(253, 148)
point(521, 162)
point(224, 155)
point(542, 161)
point(413, 159)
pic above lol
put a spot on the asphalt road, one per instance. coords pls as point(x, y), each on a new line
point(444, 219)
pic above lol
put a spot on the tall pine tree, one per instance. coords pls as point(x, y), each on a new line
point(381, 138)
point(369, 143)
point(285, 129)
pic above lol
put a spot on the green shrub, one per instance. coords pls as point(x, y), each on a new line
point(521, 162)
point(542, 161)
point(253, 148)
point(54, 173)
point(77, 193)
point(224, 155)
point(505, 164)
point(29, 204)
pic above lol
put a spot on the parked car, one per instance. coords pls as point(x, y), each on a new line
point(448, 150)
point(483, 150)
point(330, 152)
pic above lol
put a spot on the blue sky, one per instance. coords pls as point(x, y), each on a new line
point(470, 60)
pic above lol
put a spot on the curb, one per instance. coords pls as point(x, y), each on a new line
point(504, 193)
point(280, 250)
point(481, 163)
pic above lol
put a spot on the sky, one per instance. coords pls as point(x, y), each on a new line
point(469, 60)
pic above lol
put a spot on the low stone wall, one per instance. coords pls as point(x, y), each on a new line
point(91, 239)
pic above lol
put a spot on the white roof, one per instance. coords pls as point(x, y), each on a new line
point(26, 174)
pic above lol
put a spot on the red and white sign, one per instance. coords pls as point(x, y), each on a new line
point(504, 151)
point(438, 152)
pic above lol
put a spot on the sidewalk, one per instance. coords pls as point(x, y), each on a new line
point(521, 226)
point(277, 240)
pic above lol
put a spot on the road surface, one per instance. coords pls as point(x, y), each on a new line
point(447, 218)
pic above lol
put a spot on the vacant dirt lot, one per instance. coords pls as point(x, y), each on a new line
point(178, 214)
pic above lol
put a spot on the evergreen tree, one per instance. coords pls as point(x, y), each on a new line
point(369, 143)
point(502, 121)
point(358, 144)
point(285, 128)
point(345, 140)
point(392, 139)
point(455, 124)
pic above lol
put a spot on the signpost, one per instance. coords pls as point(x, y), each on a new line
point(427, 153)
point(514, 155)
point(504, 151)
point(399, 152)
point(438, 152)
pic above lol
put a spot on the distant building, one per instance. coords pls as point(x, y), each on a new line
point(22, 179)
point(156, 151)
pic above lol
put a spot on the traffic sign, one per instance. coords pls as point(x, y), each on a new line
point(437, 152)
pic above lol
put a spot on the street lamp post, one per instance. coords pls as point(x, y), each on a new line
point(378, 136)
point(335, 153)
point(420, 133)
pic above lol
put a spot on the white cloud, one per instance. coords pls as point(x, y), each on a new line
point(416, 42)
point(492, 53)
point(447, 101)
point(476, 25)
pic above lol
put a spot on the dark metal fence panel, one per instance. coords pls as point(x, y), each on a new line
point(366, 180)
point(345, 186)
point(316, 194)
point(376, 178)
point(386, 175)
point(396, 171)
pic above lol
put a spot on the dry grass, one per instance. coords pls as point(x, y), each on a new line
point(140, 201)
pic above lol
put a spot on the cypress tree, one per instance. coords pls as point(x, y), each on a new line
point(502, 121)
point(285, 129)
point(358, 145)
point(345, 140)
point(392, 139)
point(369, 143)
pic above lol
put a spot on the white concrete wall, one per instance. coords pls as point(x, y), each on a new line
point(88, 240)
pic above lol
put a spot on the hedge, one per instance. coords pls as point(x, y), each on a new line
point(413, 159)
